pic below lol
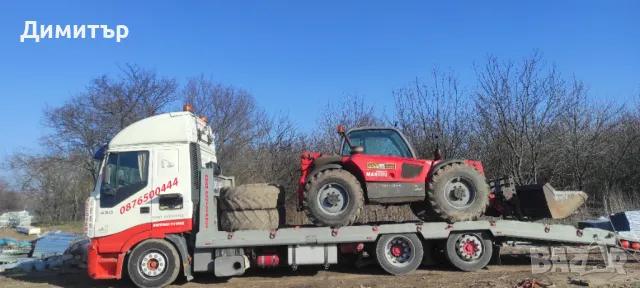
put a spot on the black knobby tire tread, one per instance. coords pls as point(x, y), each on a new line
point(249, 220)
point(257, 196)
point(170, 251)
point(338, 173)
point(436, 212)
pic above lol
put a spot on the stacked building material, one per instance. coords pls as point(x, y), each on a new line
point(29, 230)
point(52, 244)
point(15, 219)
point(51, 250)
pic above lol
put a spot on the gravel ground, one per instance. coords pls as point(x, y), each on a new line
point(515, 268)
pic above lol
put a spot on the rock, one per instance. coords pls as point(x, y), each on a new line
point(580, 282)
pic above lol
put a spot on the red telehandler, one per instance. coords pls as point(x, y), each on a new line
point(377, 165)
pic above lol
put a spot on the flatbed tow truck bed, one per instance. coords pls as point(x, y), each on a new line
point(428, 231)
point(398, 247)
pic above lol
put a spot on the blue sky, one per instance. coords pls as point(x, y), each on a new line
point(294, 56)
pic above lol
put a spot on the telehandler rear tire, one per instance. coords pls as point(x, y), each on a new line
point(249, 220)
point(457, 192)
point(257, 196)
point(333, 198)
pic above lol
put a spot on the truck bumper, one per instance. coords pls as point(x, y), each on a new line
point(103, 266)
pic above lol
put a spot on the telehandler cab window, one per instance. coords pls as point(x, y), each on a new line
point(383, 142)
point(125, 174)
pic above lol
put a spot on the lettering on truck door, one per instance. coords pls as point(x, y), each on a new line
point(169, 211)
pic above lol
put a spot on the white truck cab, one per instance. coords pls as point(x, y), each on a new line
point(147, 183)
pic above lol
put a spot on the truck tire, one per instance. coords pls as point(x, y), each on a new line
point(250, 197)
point(469, 251)
point(457, 192)
point(249, 220)
point(399, 254)
point(153, 263)
point(333, 197)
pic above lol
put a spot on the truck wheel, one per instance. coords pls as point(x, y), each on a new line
point(469, 251)
point(400, 253)
point(457, 192)
point(153, 263)
point(249, 220)
point(250, 197)
point(333, 198)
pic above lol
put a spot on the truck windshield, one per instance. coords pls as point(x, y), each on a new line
point(124, 174)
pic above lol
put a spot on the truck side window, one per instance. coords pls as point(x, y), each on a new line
point(126, 173)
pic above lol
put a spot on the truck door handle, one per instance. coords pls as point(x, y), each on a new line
point(144, 210)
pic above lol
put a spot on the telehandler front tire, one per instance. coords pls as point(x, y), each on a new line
point(457, 192)
point(333, 198)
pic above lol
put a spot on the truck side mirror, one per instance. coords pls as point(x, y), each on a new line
point(217, 170)
point(106, 176)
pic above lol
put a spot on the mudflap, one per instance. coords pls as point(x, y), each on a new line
point(181, 244)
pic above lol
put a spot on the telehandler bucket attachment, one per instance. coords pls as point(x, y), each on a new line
point(535, 201)
point(542, 201)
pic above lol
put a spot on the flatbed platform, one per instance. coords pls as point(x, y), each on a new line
point(429, 231)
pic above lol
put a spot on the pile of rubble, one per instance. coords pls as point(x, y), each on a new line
point(15, 219)
point(51, 250)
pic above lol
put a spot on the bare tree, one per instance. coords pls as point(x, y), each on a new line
point(440, 109)
point(56, 190)
point(517, 106)
point(89, 119)
point(236, 119)
point(351, 111)
point(10, 200)
point(584, 134)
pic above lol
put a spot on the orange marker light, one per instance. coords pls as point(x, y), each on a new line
point(624, 244)
point(187, 108)
point(340, 129)
point(203, 119)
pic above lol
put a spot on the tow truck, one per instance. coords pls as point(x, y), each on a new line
point(161, 206)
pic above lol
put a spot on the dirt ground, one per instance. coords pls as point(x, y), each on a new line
point(515, 268)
